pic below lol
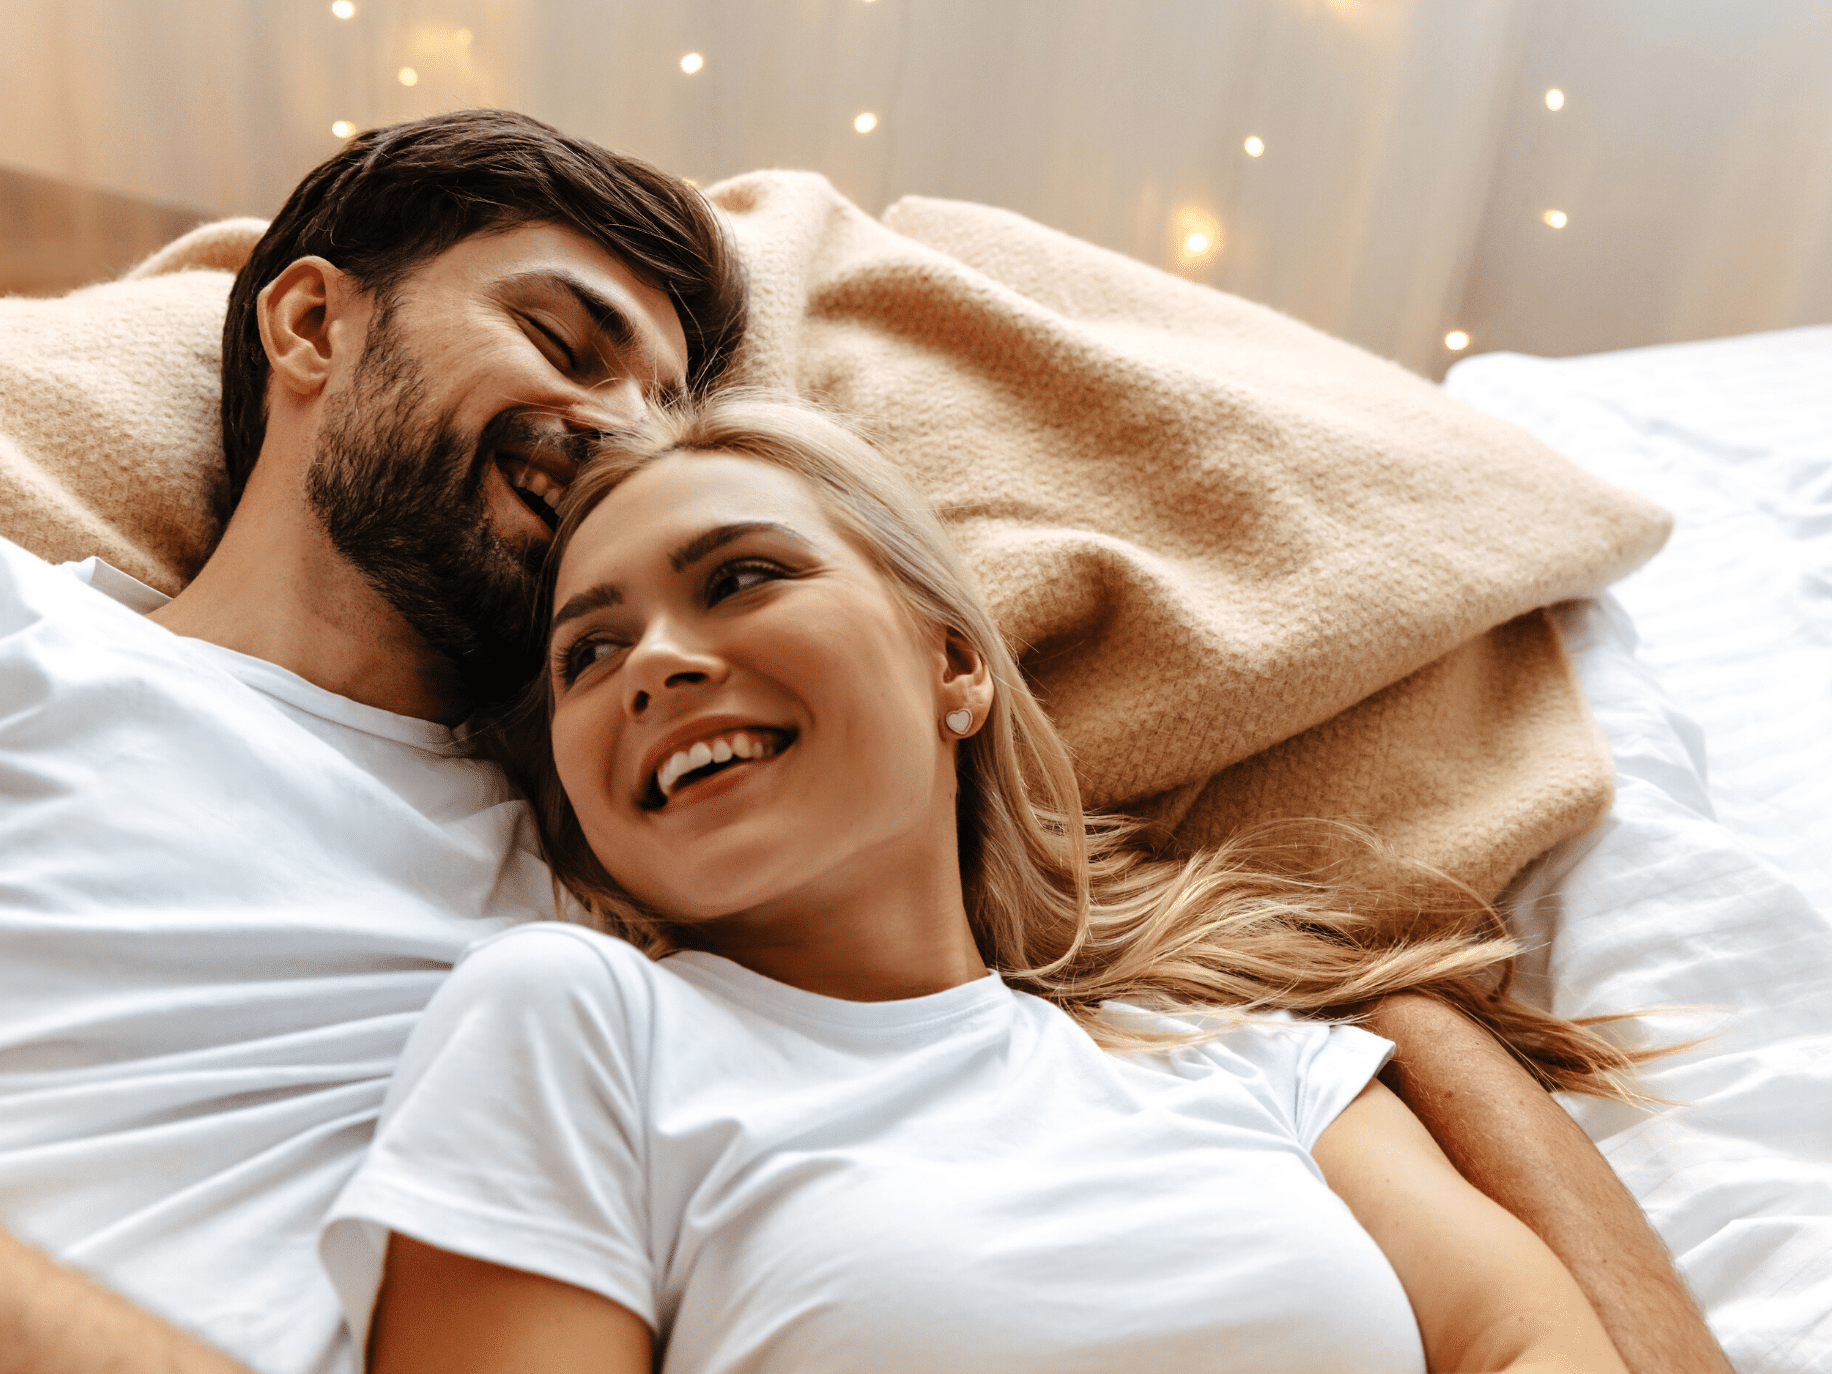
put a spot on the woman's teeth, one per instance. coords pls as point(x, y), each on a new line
point(738, 745)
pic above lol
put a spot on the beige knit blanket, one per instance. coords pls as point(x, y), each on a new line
point(1252, 571)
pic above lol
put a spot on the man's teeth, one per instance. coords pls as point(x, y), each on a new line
point(724, 749)
point(533, 480)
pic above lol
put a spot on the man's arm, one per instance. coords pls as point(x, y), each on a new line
point(1507, 1136)
point(55, 1321)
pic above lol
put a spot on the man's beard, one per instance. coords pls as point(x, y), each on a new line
point(401, 494)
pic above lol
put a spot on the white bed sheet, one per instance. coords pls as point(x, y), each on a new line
point(1664, 906)
point(1708, 895)
point(1735, 437)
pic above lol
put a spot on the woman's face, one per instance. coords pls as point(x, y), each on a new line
point(746, 718)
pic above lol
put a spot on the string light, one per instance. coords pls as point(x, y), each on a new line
point(1254, 145)
point(343, 128)
point(865, 123)
point(1555, 99)
point(692, 63)
point(1197, 235)
point(407, 76)
point(1556, 218)
point(464, 38)
point(343, 9)
point(1456, 341)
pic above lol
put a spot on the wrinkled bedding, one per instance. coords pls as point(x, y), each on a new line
point(1710, 672)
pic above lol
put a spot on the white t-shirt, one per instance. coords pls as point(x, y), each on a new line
point(965, 1182)
point(225, 897)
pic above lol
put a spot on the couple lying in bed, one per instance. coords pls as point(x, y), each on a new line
point(890, 1057)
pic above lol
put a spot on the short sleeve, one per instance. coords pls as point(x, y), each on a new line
point(514, 1131)
point(1308, 1070)
point(1338, 1064)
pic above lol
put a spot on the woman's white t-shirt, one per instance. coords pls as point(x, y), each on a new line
point(779, 1181)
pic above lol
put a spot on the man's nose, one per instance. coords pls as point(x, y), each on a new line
point(614, 404)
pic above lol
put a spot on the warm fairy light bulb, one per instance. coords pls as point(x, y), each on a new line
point(343, 9)
point(1456, 341)
point(1555, 99)
point(1254, 145)
point(865, 123)
point(1196, 233)
point(1556, 218)
point(692, 63)
point(464, 38)
point(343, 128)
point(407, 76)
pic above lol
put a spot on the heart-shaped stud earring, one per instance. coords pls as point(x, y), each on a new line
point(960, 721)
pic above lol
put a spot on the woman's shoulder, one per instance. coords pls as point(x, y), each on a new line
point(549, 964)
point(1305, 1070)
point(543, 992)
point(540, 949)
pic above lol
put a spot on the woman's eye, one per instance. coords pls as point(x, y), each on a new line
point(583, 654)
point(741, 577)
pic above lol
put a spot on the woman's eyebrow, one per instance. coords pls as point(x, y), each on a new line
point(591, 599)
point(696, 548)
point(700, 545)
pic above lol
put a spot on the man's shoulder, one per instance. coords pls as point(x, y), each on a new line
point(32, 589)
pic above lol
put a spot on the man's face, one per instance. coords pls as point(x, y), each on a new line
point(482, 375)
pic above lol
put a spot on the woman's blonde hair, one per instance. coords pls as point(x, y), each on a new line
point(1071, 907)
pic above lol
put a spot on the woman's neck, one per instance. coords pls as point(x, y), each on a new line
point(895, 931)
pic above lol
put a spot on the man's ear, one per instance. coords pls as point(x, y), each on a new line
point(305, 314)
point(966, 685)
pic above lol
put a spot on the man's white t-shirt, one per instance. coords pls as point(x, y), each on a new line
point(225, 897)
point(965, 1182)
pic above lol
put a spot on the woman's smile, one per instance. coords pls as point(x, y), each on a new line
point(745, 713)
point(700, 753)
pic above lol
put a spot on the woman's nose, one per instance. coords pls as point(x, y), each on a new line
point(664, 663)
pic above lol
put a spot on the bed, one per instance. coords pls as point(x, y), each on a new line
point(1031, 378)
point(1709, 886)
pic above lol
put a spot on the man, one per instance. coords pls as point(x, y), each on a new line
point(242, 840)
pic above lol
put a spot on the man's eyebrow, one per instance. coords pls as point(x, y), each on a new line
point(700, 545)
point(585, 602)
point(607, 317)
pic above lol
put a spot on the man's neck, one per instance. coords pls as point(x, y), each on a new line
point(279, 591)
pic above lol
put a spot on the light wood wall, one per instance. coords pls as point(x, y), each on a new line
point(55, 236)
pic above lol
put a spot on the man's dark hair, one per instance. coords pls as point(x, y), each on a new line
point(395, 197)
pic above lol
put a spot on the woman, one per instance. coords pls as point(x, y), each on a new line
point(935, 1074)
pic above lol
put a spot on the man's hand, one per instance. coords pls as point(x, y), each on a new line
point(55, 1321)
point(1508, 1137)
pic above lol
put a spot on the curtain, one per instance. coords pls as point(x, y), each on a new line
point(1407, 157)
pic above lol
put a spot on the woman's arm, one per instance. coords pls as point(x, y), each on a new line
point(55, 1321)
point(440, 1313)
point(1487, 1292)
point(1507, 1136)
